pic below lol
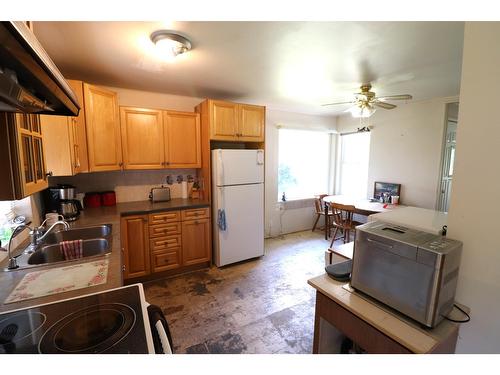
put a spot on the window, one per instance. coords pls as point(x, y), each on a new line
point(304, 163)
point(353, 165)
point(6, 214)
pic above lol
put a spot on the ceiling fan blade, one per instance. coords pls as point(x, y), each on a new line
point(337, 103)
point(384, 105)
point(395, 97)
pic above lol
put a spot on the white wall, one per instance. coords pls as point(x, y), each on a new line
point(405, 148)
point(297, 215)
point(474, 207)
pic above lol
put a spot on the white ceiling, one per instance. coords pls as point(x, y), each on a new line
point(291, 66)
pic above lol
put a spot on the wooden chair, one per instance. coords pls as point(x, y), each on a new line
point(342, 219)
point(320, 211)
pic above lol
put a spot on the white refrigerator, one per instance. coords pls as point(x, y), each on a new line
point(238, 205)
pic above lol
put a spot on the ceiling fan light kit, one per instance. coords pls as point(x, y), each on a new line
point(364, 102)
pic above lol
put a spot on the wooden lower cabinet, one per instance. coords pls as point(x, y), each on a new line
point(165, 241)
point(135, 246)
point(195, 241)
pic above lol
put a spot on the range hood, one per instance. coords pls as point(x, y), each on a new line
point(29, 80)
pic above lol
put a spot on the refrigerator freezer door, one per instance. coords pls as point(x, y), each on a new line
point(237, 167)
point(243, 237)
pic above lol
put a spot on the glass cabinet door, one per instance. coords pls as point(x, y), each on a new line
point(35, 124)
point(38, 159)
point(27, 158)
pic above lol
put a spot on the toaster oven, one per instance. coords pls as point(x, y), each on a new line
point(411, 271)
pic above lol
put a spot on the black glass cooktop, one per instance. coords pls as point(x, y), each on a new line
point(108, 322)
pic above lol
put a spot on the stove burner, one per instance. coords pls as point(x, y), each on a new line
point(93, 329)
point(18, 326)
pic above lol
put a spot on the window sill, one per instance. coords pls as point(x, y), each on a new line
point(292, 204)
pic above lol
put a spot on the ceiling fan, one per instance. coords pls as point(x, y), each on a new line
point(364, 102)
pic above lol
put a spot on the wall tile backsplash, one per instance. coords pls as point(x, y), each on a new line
point(129, 186)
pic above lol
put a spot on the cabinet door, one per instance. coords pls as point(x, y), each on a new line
point(223, 120)
point(142, 138)
point(251, 123)
point(31, 154)
point(103, 129)
point(135, 247)
point(56, 139)
point(182, 139)
point(196, 241)
point(78, 134)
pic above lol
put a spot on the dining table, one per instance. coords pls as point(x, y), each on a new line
point(362, 206)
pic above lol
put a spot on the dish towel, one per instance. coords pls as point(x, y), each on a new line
point(72, 249)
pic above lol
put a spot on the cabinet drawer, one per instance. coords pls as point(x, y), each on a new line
point(164, 217)
point(164, 230)
point(163, 244)
point(198, 213)
point(166, 261)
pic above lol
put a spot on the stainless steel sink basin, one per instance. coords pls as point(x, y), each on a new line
point(98, 231)
point(52, 253)
point(97, 241)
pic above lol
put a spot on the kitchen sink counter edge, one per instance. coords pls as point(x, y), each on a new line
point(91, 217)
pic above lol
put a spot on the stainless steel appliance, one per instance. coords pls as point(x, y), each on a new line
point(411, 271)
point(114, 321)
point(159, 194)
point(29, 80)
point(62, 199)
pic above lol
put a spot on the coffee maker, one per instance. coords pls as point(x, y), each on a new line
point(62, 199)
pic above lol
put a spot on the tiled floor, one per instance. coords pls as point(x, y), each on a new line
point(258, 306)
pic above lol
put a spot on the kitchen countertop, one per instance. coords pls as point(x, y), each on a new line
point(399, 328)
point(89, 217)
point(414, 217)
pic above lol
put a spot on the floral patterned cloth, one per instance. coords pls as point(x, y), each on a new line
point(58, 280)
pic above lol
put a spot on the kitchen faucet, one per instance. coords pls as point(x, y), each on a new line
point(12, 260)
point(36, 236)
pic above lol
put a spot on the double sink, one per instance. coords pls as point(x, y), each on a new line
point(97, 241)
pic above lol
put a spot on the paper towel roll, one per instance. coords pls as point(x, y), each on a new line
point(184, 189)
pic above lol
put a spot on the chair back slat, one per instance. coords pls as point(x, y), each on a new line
point(342, 214)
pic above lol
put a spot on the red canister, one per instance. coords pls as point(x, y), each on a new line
point(108, 198)
point(92, 200)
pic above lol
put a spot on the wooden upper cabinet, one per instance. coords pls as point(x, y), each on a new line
point(103, 129)
point(182, 139)
point(142, 138)
point(56, 132)
point(78, 132)
point(236, 122)
point(251, 123)
point(135, 246)
point(22, 156)
point(223, 120)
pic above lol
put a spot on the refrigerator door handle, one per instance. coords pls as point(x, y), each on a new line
point(260, 157)
point(220, 169)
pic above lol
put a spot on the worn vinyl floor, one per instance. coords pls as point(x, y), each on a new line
point(259, 306)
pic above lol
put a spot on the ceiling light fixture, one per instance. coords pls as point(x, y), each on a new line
point(171, 44)
point(362, 110)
